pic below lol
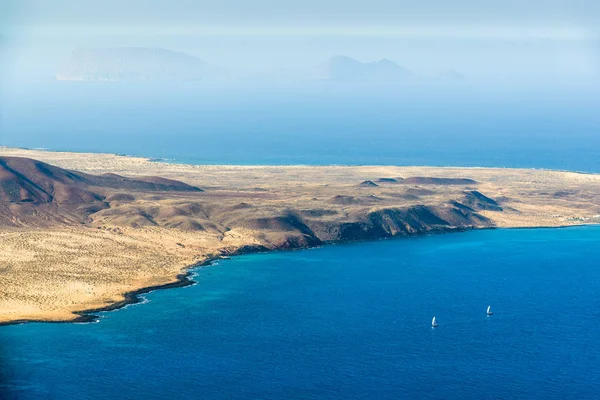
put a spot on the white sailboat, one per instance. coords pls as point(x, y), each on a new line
point(433, 323)
point(489, 311)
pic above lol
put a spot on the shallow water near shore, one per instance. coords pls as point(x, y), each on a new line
point(344, 321)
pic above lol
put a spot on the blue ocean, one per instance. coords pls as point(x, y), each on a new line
point(496, 125)
point(348, 321)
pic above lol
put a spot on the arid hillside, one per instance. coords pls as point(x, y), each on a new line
point(34, 193)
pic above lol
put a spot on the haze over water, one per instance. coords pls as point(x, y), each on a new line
point(452, 124)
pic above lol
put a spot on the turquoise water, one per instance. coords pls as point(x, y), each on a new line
point(344, 321)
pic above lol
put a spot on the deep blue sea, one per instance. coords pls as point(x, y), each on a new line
point(500, 125)
point(345, 322)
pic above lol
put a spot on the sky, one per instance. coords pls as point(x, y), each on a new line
point(481, 38)
point(545, 15)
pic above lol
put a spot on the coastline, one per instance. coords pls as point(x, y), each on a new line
point(184, 279)
point(132, 241)
point(131, 297)
point(172, 162)
point(86, 316)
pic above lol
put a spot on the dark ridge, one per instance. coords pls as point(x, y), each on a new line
point(110, 175)
point(151, 184)
point(368, 184)
point(387, 180)
point(186, 216)
point(33, 193)
point(408, 220)
point(462, 217)
point(461, 206)
point(184, 224)
point(122, 197)
point(421, 180)
point(349, 200)
point(339, 199)
point(563, 193)
point(245, 249)
point(478, 201)
point(32, 181)
point(288, 222)
point(294, 241)
point(191, 209)
point(89, 209)
point(373, 198)
point(316, 213)
point(403, 195)
point(15, 186)
point(504, 199)
point(241, 206)
point(75, 195)
point(417, 191)
point(286, 231)
point(398, 222)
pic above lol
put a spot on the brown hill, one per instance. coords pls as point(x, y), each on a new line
point(425, 180)
point(23, 180)
point(35, 193)
point(368, 184)
point(145, 183)
point(389, 180)
point(479, 201)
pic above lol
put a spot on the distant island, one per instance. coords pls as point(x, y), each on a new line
point(450, 75)
point(83, 232)
point(155, 64)
point(136, 64)
point(346, 69)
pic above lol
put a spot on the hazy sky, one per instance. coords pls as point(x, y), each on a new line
point(549, 17)
point(480, 37)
